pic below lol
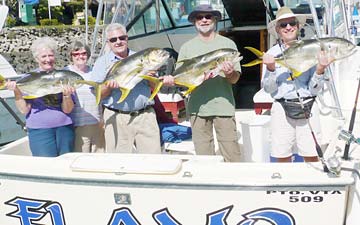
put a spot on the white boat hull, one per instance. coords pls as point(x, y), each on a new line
point(178, 189)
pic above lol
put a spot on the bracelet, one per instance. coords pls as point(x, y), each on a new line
point(65, 96)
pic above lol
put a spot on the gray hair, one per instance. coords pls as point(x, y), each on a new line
point(43, 43)
point(77, 45)
point(114, 26)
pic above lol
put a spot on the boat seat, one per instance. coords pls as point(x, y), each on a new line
point(172, 103)
point(262, 101)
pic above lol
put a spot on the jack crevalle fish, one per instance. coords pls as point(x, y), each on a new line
point(191, 73)
point(303, 54)
point(130, 71)
point(38, 84)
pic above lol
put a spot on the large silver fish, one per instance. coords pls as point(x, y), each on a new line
point(191, 72)
point(136, 67)
point(38, 84)
point(303, 54)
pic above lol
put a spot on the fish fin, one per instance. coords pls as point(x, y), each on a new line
point(29, 97)
point(2, 82)
point(258, 54)
point(156, 90)
point(98, 93)
point(150, 78)
point(88, 82)
point(184, 62)
point(181, 61)
point(190, 89)
point(156, 81)
point(252, 63)
point(295, 43)
point(124, 93)
point(295, 74)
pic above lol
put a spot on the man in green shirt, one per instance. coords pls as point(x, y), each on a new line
point(212, 103)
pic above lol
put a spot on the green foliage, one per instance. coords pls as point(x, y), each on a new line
point(11, 35)
point(76, 5)
point(91, 21)
point(48, 22)
point(43, 11)
point(10, 21)
point(64, 14)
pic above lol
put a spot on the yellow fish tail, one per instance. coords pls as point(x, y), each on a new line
point(190, 89)
point(98, 93)
point(2, 82)
point(252, 63)
point(28, 97)
point(124, 93)
point(97, 87)
point(258, 53)
point(158, 85)
point(295, 74)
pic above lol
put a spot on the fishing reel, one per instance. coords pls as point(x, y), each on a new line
point(348, 137)
point(334, 163)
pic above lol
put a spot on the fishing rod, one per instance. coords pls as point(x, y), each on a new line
point(16, 117)
point(351, 125)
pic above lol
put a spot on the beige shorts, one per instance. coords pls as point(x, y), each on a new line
point(289, 136)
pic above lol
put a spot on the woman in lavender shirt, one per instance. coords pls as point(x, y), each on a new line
point(48, 121)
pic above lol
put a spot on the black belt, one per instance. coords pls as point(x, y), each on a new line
point(294, 99)
point(131, 113)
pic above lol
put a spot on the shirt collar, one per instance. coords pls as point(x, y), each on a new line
point(114, 57)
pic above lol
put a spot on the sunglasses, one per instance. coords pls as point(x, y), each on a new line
point(121, 38)
point(207, 16)
point(291, 23)
point(76, 54)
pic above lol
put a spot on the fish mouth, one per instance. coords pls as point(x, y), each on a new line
point(352, 52)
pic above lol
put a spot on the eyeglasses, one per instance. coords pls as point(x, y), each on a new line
point(291, 23)
point(121, 38)
point(207, 16)
point(76, 54)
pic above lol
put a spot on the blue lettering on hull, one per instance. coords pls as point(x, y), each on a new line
point(31, 211)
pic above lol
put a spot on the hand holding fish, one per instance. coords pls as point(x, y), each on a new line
point(23, 107)
point(111, 84)
point(269, 61)
point(68, 90)
point(324, 60)
point(228, 68)
point(10, 85)
point(152, 73)
point(209, 74)
point(66, 105)
point(168, 80)
point(107, 87)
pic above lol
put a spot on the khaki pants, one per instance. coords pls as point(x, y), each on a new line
point(124, 132)
point(203, 138)
point(90, 138)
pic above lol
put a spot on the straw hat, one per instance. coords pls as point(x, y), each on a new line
point(283, 13)
point(204, 8)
